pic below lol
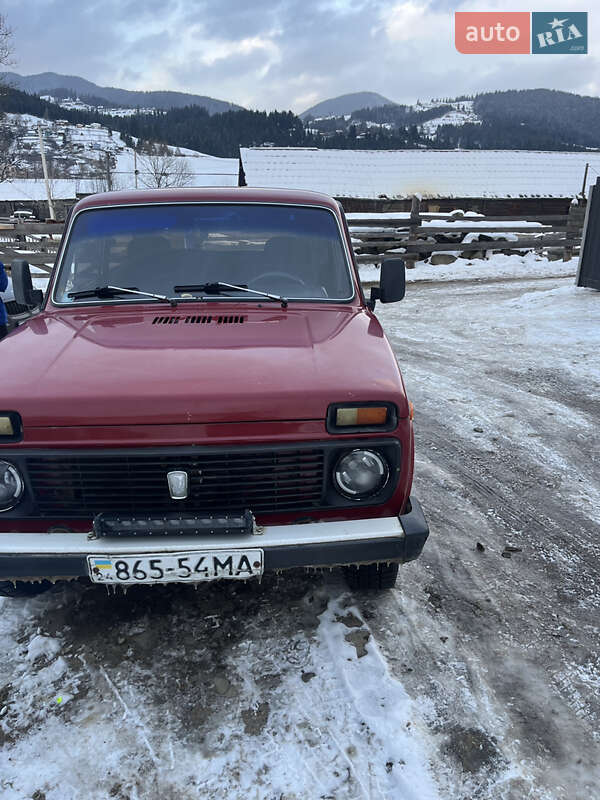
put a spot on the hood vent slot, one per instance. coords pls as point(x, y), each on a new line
point(231, 320)
point(165, 320)
point(199, 319)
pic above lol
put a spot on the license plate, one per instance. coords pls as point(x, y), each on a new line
point(184, 567)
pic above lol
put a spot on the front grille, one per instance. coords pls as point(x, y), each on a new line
point(261, 480)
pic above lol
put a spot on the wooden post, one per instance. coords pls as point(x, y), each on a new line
point(575, 221)
point(585, 174)
point(415, 221)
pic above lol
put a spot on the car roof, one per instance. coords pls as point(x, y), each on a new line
point(238, 194)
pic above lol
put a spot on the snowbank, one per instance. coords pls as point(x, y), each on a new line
point(498, 265)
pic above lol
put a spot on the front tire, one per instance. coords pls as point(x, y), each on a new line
point(23, 588)
point(371, 577)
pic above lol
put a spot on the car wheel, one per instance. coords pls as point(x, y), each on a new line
point(371, 577)
point(23, 588)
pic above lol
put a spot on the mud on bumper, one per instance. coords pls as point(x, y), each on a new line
point(63, 556)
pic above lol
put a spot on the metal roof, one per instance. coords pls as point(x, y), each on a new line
point(430, 173)
point(34, 189)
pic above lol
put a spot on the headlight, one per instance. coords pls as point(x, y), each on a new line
point(11, 486)
point(361, 473)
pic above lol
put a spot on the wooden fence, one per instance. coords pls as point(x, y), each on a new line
point(415, 236)
point(36, 242)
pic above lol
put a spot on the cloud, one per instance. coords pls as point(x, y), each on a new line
point(281, 53)
point(410, 21)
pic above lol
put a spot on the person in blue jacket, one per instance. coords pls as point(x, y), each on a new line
point(3, 287)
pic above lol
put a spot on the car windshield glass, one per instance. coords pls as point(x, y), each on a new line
point(293, 251)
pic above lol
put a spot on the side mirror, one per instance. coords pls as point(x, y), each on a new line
point(392, 282)
point(23, 289)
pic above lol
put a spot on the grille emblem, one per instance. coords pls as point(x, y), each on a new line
point(178, 484)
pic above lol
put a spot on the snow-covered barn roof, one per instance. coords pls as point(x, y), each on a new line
point(430, 173)
point(33, 189)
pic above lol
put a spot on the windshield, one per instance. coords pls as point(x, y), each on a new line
point(294, 251)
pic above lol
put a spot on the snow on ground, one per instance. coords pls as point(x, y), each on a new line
point(505, 378)
point(497, 265)
point(387, 215)
point(459, 219)
point(462, 112)
point(197, 169)
point(507, 225)
point(245, 708)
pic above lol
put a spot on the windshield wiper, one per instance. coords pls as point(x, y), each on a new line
point(217, 288)
point(106, 292)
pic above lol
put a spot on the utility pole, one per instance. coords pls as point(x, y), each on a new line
point(45, 169)
point(135, 169)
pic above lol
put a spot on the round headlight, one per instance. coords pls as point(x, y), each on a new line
point(11, 486)
point(361, 473)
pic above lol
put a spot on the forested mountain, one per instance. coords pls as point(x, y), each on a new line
point(540, 119)
point(398, 115)
point(218, 134)
point(345, 104)
point(537, 119)
point(530, 119)
point(50, 82)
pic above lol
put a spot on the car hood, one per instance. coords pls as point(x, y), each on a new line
point(116, 366)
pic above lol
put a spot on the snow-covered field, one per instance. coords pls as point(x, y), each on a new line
point(462, 112)
point(476, 679)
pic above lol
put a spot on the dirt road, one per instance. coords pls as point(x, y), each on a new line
point(479, 677)
point(506, 380)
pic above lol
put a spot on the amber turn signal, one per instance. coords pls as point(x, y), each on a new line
point(11, 426)
point(6, 427)
point(366, 415)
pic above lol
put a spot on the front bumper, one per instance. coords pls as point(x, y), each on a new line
point(62, 556)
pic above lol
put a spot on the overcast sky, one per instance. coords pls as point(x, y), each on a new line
point(282, 54)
